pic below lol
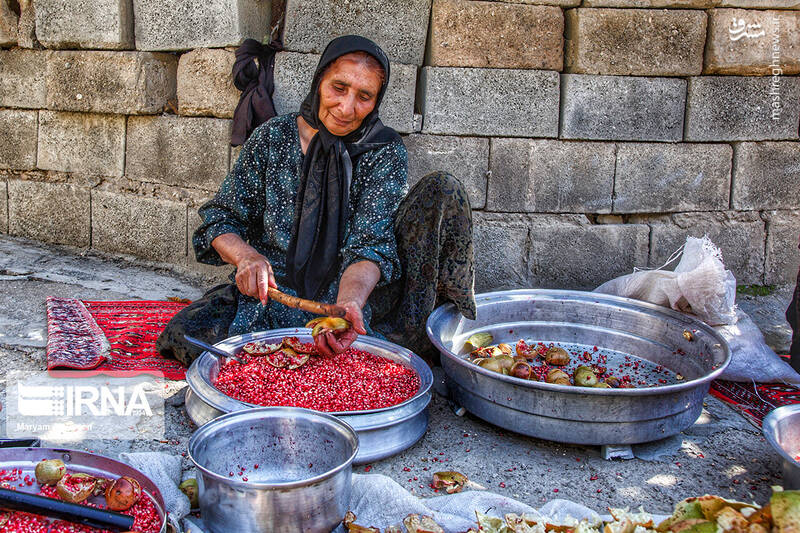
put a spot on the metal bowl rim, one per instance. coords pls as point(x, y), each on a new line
point(551, 294)
point(287, 411)
point(425, 375)
point(769, 425)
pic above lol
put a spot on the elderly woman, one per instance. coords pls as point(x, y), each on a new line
point(315, 206)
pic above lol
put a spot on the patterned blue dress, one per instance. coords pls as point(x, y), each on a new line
point(257, 202)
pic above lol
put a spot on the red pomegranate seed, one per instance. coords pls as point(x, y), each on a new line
point(353, 380)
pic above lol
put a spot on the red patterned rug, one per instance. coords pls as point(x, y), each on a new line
point(754, 400)
point(109, 336)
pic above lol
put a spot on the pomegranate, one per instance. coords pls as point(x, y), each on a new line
point(281, 358)
point(299, 347)
point(190, 488)
point(260, 348)
point(123, 493)
point(50, 471)
point(75, 488)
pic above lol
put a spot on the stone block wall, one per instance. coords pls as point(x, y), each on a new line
point(592, 136)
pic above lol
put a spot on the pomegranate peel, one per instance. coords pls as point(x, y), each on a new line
point(261, 347)
point(75, 488)
point(123, 493)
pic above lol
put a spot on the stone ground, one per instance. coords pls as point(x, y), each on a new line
point(721, 454)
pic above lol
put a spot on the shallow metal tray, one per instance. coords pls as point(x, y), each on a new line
point(781, 428)
point(78, 461)
point(381, 432)
point(576, 414)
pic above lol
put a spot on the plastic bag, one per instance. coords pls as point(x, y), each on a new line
point(700, 284)
point(751, 358)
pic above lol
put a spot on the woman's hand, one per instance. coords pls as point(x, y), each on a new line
point(253, 272)
point(331, 343)
point(254, 276)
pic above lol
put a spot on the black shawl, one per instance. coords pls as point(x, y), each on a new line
point(256, 83)
point(322, 208)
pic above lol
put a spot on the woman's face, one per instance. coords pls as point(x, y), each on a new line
point(347, 93)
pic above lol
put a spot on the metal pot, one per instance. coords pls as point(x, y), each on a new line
point(781, 428)
point(581, 415)
point(381, 432)
point(303, 479)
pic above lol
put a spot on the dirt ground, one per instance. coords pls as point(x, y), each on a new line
point(721, 453)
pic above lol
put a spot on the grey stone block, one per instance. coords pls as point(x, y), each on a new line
point(8, 24)
point(766, 175)
point(214, 274)
point(294, 72)
point(205, 85)
point(740, 236)
point(562, 3)
point(104, 24)
point(26, 28)
point(110, 82)
point(22, 78)
point(18, 133)
point(732, 108)
point(472, 101)
point(701, 4)
point(730, 50)
point(659, 178)
point(80, 142)
point(495, 35)
point(466, 158)
point(761, 4)
point(49, 212)
point(622, 108)
point(783, 256)
point(550, 176)
point(637, 42)
point(145, 227)
point(399, 27)
point(3, 205)
point(180, 151)
point(571, 256)
point(186, 24)
point(501, 252)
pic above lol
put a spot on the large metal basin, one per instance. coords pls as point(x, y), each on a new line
point(381, 432)
point(575, 414)
point(781, 428)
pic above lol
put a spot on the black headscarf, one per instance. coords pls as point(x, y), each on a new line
point(256, 83)
point(322, 208)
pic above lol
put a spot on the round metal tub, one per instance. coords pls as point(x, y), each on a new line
point(297, 470)
point(26, 459)
point(381, 432)
point(581, 415)
point(781, 428)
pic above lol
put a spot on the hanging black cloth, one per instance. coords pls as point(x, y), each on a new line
point(322, 208)
point(256, 83)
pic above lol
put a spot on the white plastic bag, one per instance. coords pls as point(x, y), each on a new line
point(700, 284)
point(751, 358)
